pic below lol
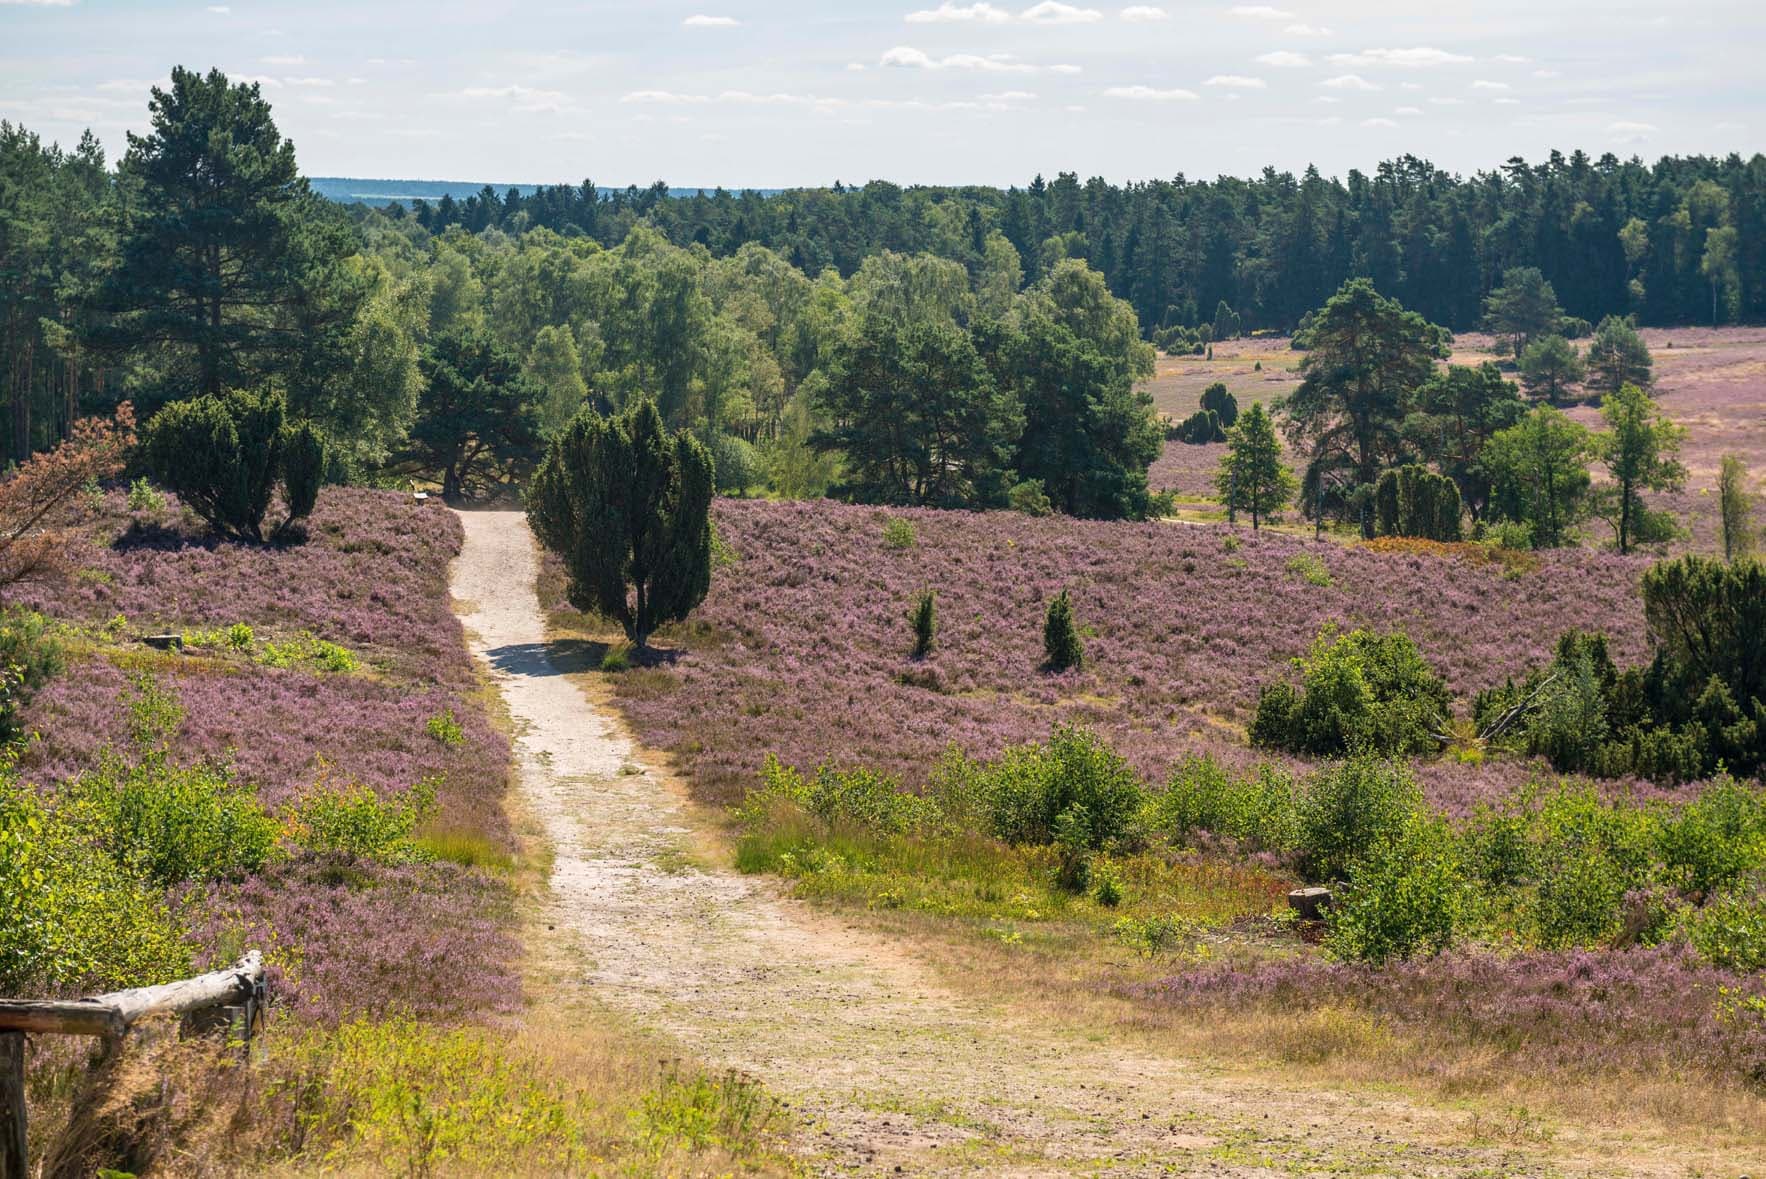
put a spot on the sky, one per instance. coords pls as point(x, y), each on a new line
point(776, 94)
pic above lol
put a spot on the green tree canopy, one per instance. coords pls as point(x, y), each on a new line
point(478, 419)
point(1641, 450)
point(1550, 366)
point(1522, 309)
point(1366, 356)
point(918, 417)
point(1453, 416)
point(231, 267)
point(1617, 356)
point(1252, 477)
point(1538, 470)
point(627, 505)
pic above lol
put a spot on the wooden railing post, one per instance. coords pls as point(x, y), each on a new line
point(12, 1105)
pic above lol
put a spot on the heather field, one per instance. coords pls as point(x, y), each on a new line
point(802, 649)
point(1710, 380)
point(288, 716)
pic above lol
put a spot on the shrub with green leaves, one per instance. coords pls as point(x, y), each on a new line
point(224, 456)
point(1730, 930)
point(898, 533)
point(1062, 648)
point(177, 823)
point(1260, 812)
point(29, 656)
point(76, 918)
point(145, 497)
point(1359, 692)
point(1030, 498)
point(1074, 785)
point(857, 799)
point(1348, 809)
point(354, 822)
point(1406, 896)
point(1200, 428)
point(1415, 501)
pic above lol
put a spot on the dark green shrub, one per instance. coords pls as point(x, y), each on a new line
point(29, 656)
point(223, 456)
point(303, 468)
point(924, 620)
point(1406, 897)
point(1360, 691)
point(1222, 404)
point(1073, 788)
point(1062, 647)
point(1348, 809)
point(1715, 841)
point(736, 465)
point(1415, 501)
point(1202, 427)
point(356, 823)
point(1030, 498)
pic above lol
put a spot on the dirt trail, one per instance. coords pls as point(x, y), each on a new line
point(885, 1066)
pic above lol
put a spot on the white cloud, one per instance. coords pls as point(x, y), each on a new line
point(1512, 59)
point(1545, 74)
point(1328, 98)
point(1408, 110)
point(1378, 123)
point(219, 9)
point(1149, 94)
point(309, 81)
point(1259, 12)
point(907, 57)
point(1235, 82)
point(1305, 30)
point(1508, 102)
point(520, 98)
point(1448, 101)
point(1631, 132)
point(1485, 84)
point(1009, 96)
point(284, 59)
point(1421, 57)
point(951, 13)
point(1053, 12)
point(131, 85)
point(700, 20)
point(1349, 82)
point(1143, 13)
point(855, 66)
point(662, 97)
point(1284, 59)
point(1064, 68)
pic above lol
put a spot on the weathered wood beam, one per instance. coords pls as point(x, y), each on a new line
point(110, 1015)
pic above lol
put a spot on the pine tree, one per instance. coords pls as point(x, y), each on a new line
point(1252, 476)
point(627, 504)
point(924, 620)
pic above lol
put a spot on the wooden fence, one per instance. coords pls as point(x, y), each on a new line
point(233, 997)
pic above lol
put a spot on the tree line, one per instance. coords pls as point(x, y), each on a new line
point(1677, 242)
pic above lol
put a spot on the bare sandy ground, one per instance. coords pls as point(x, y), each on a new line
point(884, 1067)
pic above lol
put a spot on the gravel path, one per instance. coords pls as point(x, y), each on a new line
point(885, 1067)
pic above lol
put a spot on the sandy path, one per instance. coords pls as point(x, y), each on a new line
point(885, 1066)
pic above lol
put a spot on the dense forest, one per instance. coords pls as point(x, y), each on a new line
point(1683, 241)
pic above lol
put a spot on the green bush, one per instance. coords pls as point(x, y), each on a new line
point(1030, 498)
point(898, 533)
point(322, 654)
point(1349, 809)
point(445, 728)
point(1730, 930)
point(736, 466)
point(1359, 692)
point(842, 798)
point(1406, 897)
point(176, 823)
point(223, 456)
point(1200, 428)
point(1715, 841)
point(1221, 403)
point(356, 823)
point(1260, 812)
point(1062, 647)
point(1074, 785)
point(144, 497)
point(29, 656)
point(75, 918)
point(924, 621)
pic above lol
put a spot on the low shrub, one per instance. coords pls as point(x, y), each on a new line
point(445, 728)
point(306, 648)
point(29, 656)
point(145, 497)
point(1407, 896)
point(857, 799)
point(924, 621)
point(1073, 789)
point(354, 822)
point(1730, 930)
point(1350, 809)
point(1310, 569)
point(1259, 812)
point(1359, 691)
point(176, 823)
point(1030, 498)
point(898, 533)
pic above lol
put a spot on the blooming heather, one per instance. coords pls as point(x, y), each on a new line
point(801, 648)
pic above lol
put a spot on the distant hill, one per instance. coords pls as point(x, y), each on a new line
point(359, 191)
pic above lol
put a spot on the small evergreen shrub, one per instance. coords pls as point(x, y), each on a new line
point(924, 621)
point(1202, 427)
point(224, 455)
point(1222, 404)
point(1416, 502)
point(1062, 647)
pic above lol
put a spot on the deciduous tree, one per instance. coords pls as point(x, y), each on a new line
point(1252, 477)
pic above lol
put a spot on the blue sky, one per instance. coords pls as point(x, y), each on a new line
point(744, 92)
